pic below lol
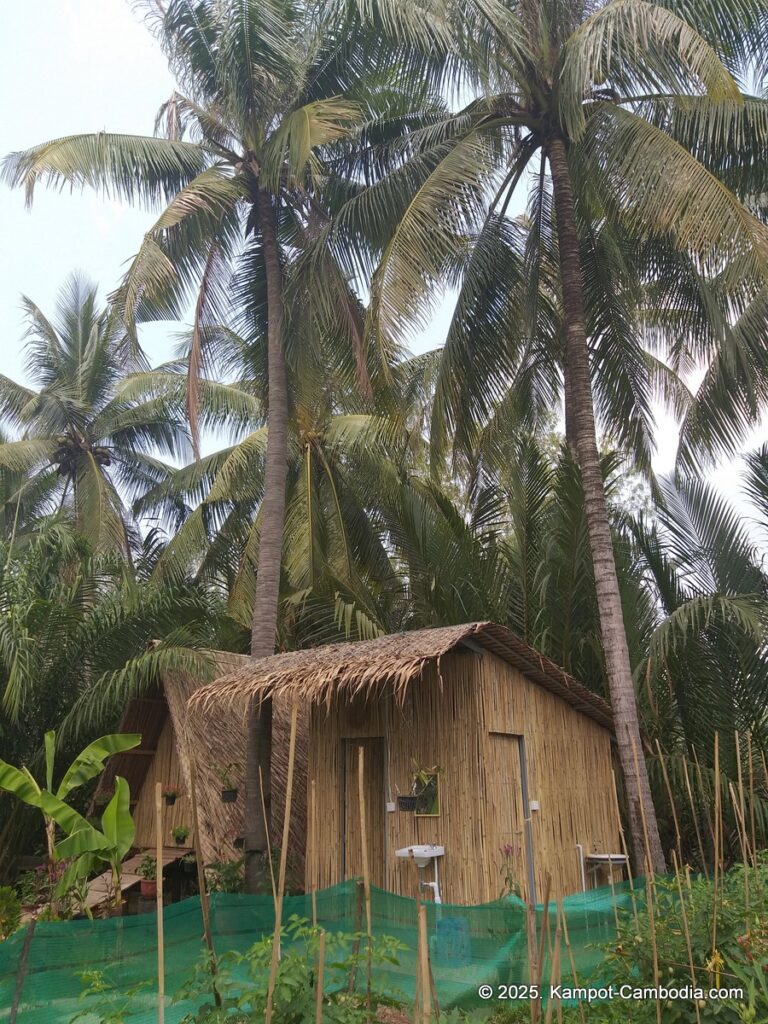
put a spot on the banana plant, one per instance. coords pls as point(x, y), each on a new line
point(89, 763)
point(88, 847)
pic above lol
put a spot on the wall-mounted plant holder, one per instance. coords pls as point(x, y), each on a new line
point(426, 790)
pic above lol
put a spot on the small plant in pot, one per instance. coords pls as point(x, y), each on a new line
point(148, 875)
point(180, 834)
point(171, 796)
point(228, 787)
point(189, 863)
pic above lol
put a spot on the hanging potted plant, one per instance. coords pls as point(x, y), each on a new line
point(179, 834)
point(171, 796)
point(406, 802)
point(148, 875)
point(228, 787)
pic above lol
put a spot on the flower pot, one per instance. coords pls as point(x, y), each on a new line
point(148, 888)
point(170, 799)
point(406, 803)
point(228, 796)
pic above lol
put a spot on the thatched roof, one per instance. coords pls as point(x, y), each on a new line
point(387, 663)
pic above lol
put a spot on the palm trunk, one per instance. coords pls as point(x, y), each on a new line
point(581, 420)
point(272, 514)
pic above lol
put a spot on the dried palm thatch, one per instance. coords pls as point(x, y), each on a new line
point(389, 663)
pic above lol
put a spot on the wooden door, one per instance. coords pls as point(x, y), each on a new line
point(374, 789)
point(506, 798)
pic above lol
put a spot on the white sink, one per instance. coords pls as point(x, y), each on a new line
point(421, 854)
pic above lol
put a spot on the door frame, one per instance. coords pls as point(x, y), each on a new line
point(526, 799)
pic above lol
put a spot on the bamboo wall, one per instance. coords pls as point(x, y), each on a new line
point(166, 769)
point(465, 719)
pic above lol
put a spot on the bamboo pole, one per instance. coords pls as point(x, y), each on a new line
point(366, 870)
point(625, 851)
point(648, 857)
point(572, 960)
point(695, 816)
point(742, 805)
point(686, 930)
point(530, 913)
point(678, 841)
point(313, 848)
point(201, 883)
point(751, 782)
point(266, 834)
point(159, 898)
point(423, 949)
point(652, 923)
point(554, 969)
point(716, 833)
point(536, 1003)
point(705, 795)
point(356, 940)
point(283, 861)
point(320, 979)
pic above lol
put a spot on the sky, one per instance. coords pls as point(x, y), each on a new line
point(71, 66)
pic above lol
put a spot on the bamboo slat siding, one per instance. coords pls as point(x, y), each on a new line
point(164, 768)
point(465, 716)
point(569, 773)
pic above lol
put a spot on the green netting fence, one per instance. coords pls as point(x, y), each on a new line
point(469, 947)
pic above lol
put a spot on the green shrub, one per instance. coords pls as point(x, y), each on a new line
point(294, 995)
point(10, 911)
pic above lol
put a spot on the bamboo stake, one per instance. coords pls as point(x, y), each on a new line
point(716, 833)
point(201, 883)
point(554, 969)
point(356, 941)
point(648, 858)
point(313, 847)
point(686, 930)
point(652, 922)
point(625, 851)
point(741, 828)
point(266, 833)
point(424, 965)
point(159, 898)
point(751, 778)
point(283, 861)
point(705, 795)
point(695, 816)
point(572, 959)
point(536, 1003)
point(678, 841)
point(366, 870)
point(742, 805)
point(320, 980)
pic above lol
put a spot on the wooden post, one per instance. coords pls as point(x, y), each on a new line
point(283, 861)
point(159, 877)
point(366, 869)
point(751, 778)
point(554, 969)
point(356, 940)
point(320, 980)
point(201, 883)
point(536, 1003)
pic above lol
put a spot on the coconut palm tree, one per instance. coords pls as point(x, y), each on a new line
point(79, 444)
point(625, 114)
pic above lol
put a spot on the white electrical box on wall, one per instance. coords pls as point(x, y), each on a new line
point(534, 805)
point(391, 806)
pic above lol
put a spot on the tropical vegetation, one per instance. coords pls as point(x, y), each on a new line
point(323, 175)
